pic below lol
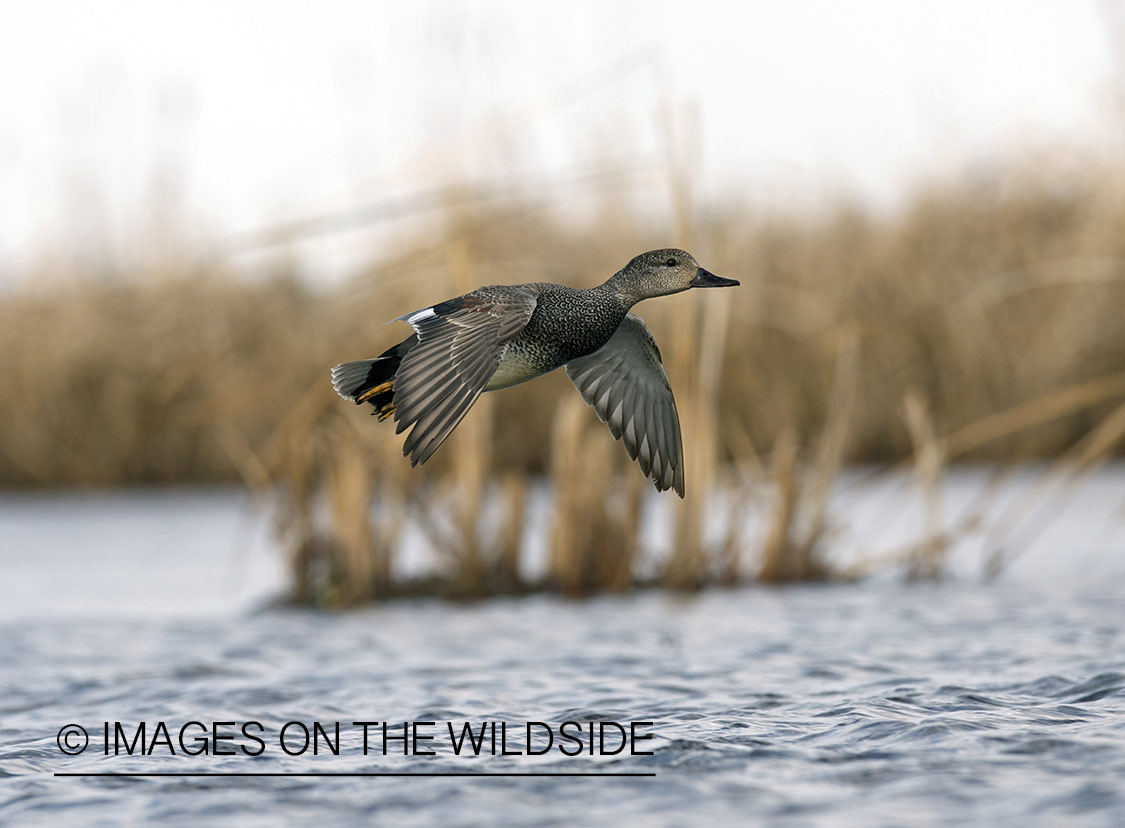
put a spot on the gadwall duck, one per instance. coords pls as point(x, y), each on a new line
point(502, 335)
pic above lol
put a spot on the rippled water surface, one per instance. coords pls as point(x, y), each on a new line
point(877, 703)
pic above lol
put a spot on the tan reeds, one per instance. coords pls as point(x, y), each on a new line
point(991, 312)
point(596, 507)
point(928, 560)
point(698, 334)
point(799, 523)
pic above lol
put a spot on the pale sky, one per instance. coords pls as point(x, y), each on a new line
point(243, 113)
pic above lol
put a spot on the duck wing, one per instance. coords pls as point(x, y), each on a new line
point(625, 382)
point(460, 343)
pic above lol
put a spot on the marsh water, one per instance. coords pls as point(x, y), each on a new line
point(992, 702)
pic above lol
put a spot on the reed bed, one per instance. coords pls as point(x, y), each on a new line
point(981, 321)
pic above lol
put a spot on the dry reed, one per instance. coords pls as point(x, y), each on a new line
point(989, 312)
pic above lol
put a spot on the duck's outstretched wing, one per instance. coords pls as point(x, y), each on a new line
point(459, 347)
point(625, 383)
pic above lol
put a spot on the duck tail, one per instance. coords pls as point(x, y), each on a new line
point(372, 381)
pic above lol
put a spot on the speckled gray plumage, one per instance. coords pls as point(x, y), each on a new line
point(551, 338)
point(502, 335)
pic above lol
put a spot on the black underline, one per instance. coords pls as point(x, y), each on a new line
point(351, 773)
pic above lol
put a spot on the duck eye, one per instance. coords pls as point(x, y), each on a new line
point(671, 263)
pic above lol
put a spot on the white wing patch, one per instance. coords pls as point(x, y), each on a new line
point(417, 316)
point(458, 350)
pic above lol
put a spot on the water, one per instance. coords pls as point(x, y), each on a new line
point(876, 703)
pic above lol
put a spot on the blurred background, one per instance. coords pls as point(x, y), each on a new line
point(903, 433)
point(204, 207)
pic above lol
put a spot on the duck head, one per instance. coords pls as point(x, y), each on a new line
point(662, 272)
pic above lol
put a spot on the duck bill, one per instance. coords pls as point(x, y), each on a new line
point(705, 278)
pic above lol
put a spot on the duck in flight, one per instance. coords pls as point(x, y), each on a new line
point(501, 335)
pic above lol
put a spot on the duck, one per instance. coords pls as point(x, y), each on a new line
point(502, 335)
